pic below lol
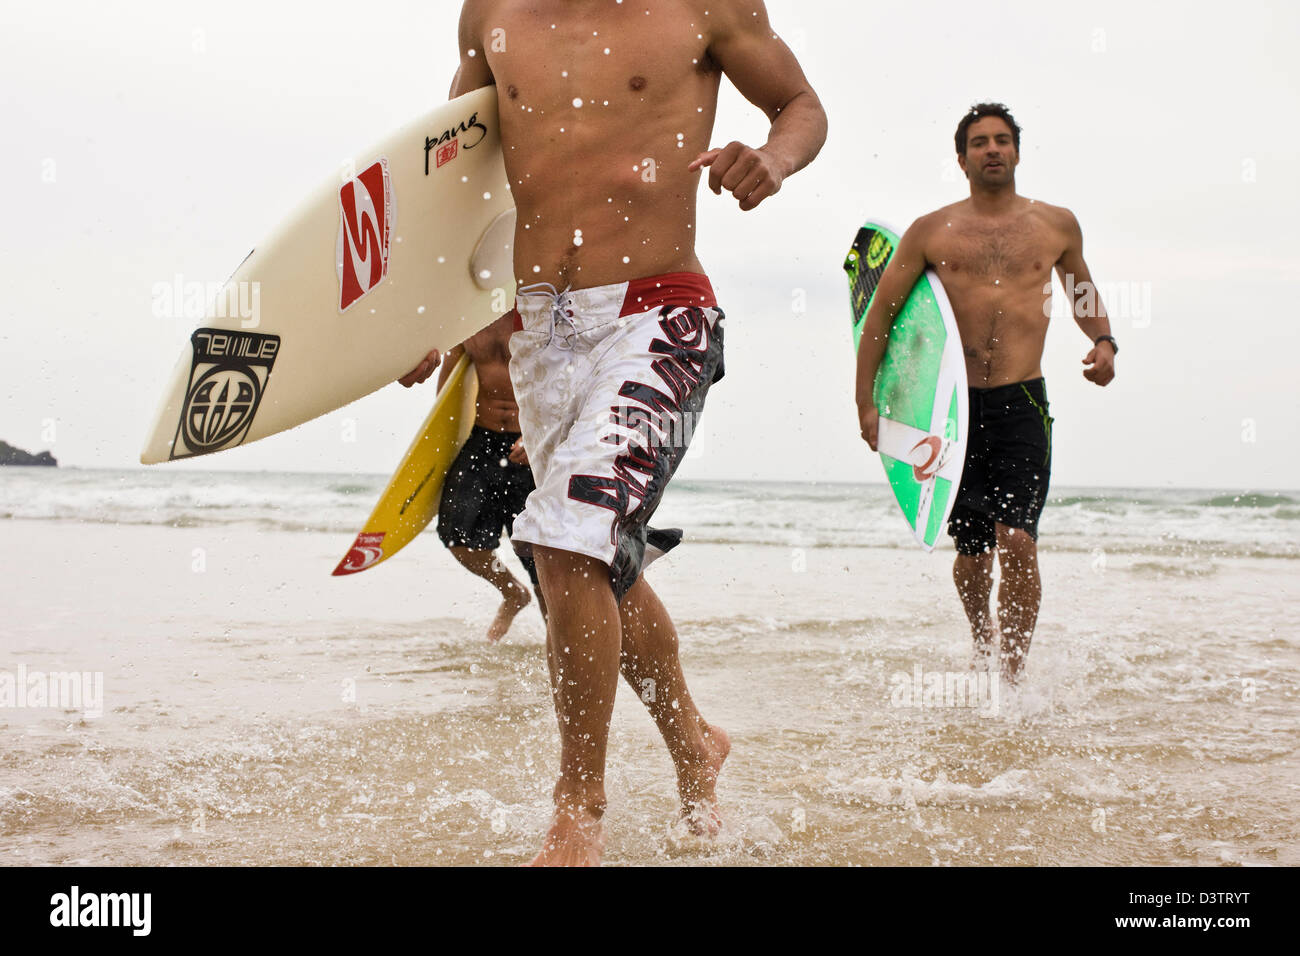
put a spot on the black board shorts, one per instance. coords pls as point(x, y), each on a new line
point(483, 493)
point(1008, 465)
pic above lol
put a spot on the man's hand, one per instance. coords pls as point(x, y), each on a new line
point(1099, 364)
point(869, 421)
point(422, 371)
point(751, 175)
point(517, 453)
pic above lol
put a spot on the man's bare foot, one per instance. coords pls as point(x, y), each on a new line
point(576, 838)
point(697, 785)
point(984, 656)
point(514, 601)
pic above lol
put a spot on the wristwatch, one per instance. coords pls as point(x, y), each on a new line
point(1108, 338)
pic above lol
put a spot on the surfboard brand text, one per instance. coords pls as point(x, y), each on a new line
point(448, 144)
point(228, 375)
point(225, 345)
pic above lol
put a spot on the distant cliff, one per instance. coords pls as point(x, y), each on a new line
point(9, 455)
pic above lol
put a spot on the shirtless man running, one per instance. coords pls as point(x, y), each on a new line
point(606, 112)
point(490, 479)
point(995, 253)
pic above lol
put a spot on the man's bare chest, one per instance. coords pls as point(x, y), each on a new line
point(1005, 251)
point(563, 62)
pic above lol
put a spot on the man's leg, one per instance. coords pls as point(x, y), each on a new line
point(973, 575)
point(514, 596)
point(651, 666)
point(582, 651)
point(589, 502)
point(1019, 595)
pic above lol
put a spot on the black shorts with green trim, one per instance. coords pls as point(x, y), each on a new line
point(1008, 465)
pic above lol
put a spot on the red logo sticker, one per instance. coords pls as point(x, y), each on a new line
point(447, 153)
point(923, 472)
point(366, 224)
point(366, 552)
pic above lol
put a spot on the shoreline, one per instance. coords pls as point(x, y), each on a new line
point(254, 696)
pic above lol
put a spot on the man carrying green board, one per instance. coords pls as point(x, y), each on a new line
point(994, 253)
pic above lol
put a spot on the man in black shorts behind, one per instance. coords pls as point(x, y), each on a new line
point(490, 479)
point(995, 253)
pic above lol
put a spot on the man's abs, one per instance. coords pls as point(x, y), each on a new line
point(998, 279)
point(603, 108)
point(497, 409)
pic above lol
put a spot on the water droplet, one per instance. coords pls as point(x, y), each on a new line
point(577, 102)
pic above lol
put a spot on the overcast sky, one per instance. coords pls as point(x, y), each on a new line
point(151, 139)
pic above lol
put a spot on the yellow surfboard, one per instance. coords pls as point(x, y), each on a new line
point(411, 499)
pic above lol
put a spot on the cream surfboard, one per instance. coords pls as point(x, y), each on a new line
point(920, 388)
point(409, 253)
point(411, 499)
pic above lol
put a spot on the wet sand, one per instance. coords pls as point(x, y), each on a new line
point(258, 711)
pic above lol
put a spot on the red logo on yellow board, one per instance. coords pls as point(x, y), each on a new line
point(366, 551)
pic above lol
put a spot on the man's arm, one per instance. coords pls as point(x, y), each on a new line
point(896, 284)
point(474, 72)
point(767, 74)
point(1089, 313)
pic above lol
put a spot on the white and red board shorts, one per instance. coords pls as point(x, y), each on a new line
point(610, 383)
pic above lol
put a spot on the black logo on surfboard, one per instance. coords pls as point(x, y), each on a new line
point(448, 143)
point(228, 376)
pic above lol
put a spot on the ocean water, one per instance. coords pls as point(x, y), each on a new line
point(1175, 523)
point(256, 710)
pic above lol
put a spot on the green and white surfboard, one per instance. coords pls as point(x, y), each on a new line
point(920, 388)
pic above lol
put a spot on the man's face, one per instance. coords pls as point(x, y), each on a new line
point(991, 156)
